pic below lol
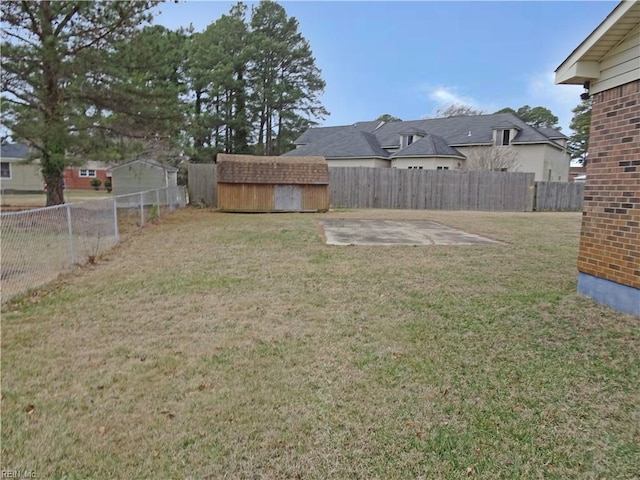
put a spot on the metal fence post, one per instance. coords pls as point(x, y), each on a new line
point(170, 194)
point(70, 230)
point(141, 208)
point(158, 200)
point(115, 219)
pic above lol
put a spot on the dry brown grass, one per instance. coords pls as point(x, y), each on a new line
point(240, 346)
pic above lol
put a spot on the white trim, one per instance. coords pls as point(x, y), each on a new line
point(575, 70)
point(87, 172)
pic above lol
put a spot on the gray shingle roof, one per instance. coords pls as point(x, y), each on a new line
point(429, 146)
point(14, 150)
point(317, 133)
point(551, 133)
point(365, 139)
point(348, 142)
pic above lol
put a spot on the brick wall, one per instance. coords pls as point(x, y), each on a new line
point(610, 240)
point(72, 178)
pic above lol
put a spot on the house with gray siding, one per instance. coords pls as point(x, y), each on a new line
point(442, 144)
point(16, 174)
point(142, 175)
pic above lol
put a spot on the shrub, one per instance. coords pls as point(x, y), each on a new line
point(108, 185)
point(95, 183)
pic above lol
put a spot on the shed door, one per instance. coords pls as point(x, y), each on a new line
point(288, 198)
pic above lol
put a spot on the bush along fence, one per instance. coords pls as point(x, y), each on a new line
point(39, 244)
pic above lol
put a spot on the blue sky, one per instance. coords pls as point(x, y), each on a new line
point(411, 58)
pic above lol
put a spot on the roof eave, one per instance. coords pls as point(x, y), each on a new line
point(575, 70)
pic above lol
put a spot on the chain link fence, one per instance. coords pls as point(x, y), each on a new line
point(37, 245)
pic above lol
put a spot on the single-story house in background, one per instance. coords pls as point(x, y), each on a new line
point(15, 174)
point(81, 177)
point(142, 175)
point(607, 63)
point(248, 183)
point(441, 144)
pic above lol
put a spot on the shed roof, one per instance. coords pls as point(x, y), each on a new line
point(290, 170)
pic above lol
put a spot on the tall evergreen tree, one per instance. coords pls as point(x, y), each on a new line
point(55, 57)
point(217, 67)
point(285, 81)
point(581, 125)
point(536, 116)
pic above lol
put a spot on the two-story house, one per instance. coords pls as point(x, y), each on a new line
point(484, 142)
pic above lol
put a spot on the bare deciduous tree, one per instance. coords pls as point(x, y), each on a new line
point(493, 159)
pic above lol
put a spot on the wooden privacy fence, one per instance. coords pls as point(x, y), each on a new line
point(362, 187)
point(203, 184)
point(559, 196)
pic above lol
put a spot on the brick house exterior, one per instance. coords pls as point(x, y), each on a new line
point(609, 255)
point(80, 177)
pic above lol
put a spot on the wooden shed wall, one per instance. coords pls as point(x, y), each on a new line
point(242, 197)
point(315, 197)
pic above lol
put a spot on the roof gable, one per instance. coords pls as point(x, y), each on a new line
point(292, 170)
point(429, 146)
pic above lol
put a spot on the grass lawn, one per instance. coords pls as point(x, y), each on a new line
point(234, 346)
point(37, 200)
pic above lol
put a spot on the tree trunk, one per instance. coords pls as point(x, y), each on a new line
point(55, 190)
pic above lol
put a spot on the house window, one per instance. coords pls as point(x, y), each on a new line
point(85, 172)
point(5, 170)
point(407, 140)
point(503, 138)
point(416, 167)
point(441, 167)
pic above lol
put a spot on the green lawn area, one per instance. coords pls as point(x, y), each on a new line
point(216, 345)
point(40, 199)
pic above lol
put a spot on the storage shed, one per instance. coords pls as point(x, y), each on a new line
point(142, 175)
point(248, 183)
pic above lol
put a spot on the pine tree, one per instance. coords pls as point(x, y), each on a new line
point(56, 58)
point(284, 79)
point(580, 124)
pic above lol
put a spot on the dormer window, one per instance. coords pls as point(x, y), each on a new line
point(406, 140)
point(503, 137)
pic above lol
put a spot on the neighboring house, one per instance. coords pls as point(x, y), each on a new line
point(81, 177)
point(607, 63)
point(142, 175)
point(441, 144)
point(15, 174)
point(248, 183)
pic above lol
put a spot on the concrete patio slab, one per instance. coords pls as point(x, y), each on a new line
point(389, 232)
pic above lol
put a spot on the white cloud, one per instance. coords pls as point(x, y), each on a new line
point(446, 96)
point(443, 96)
